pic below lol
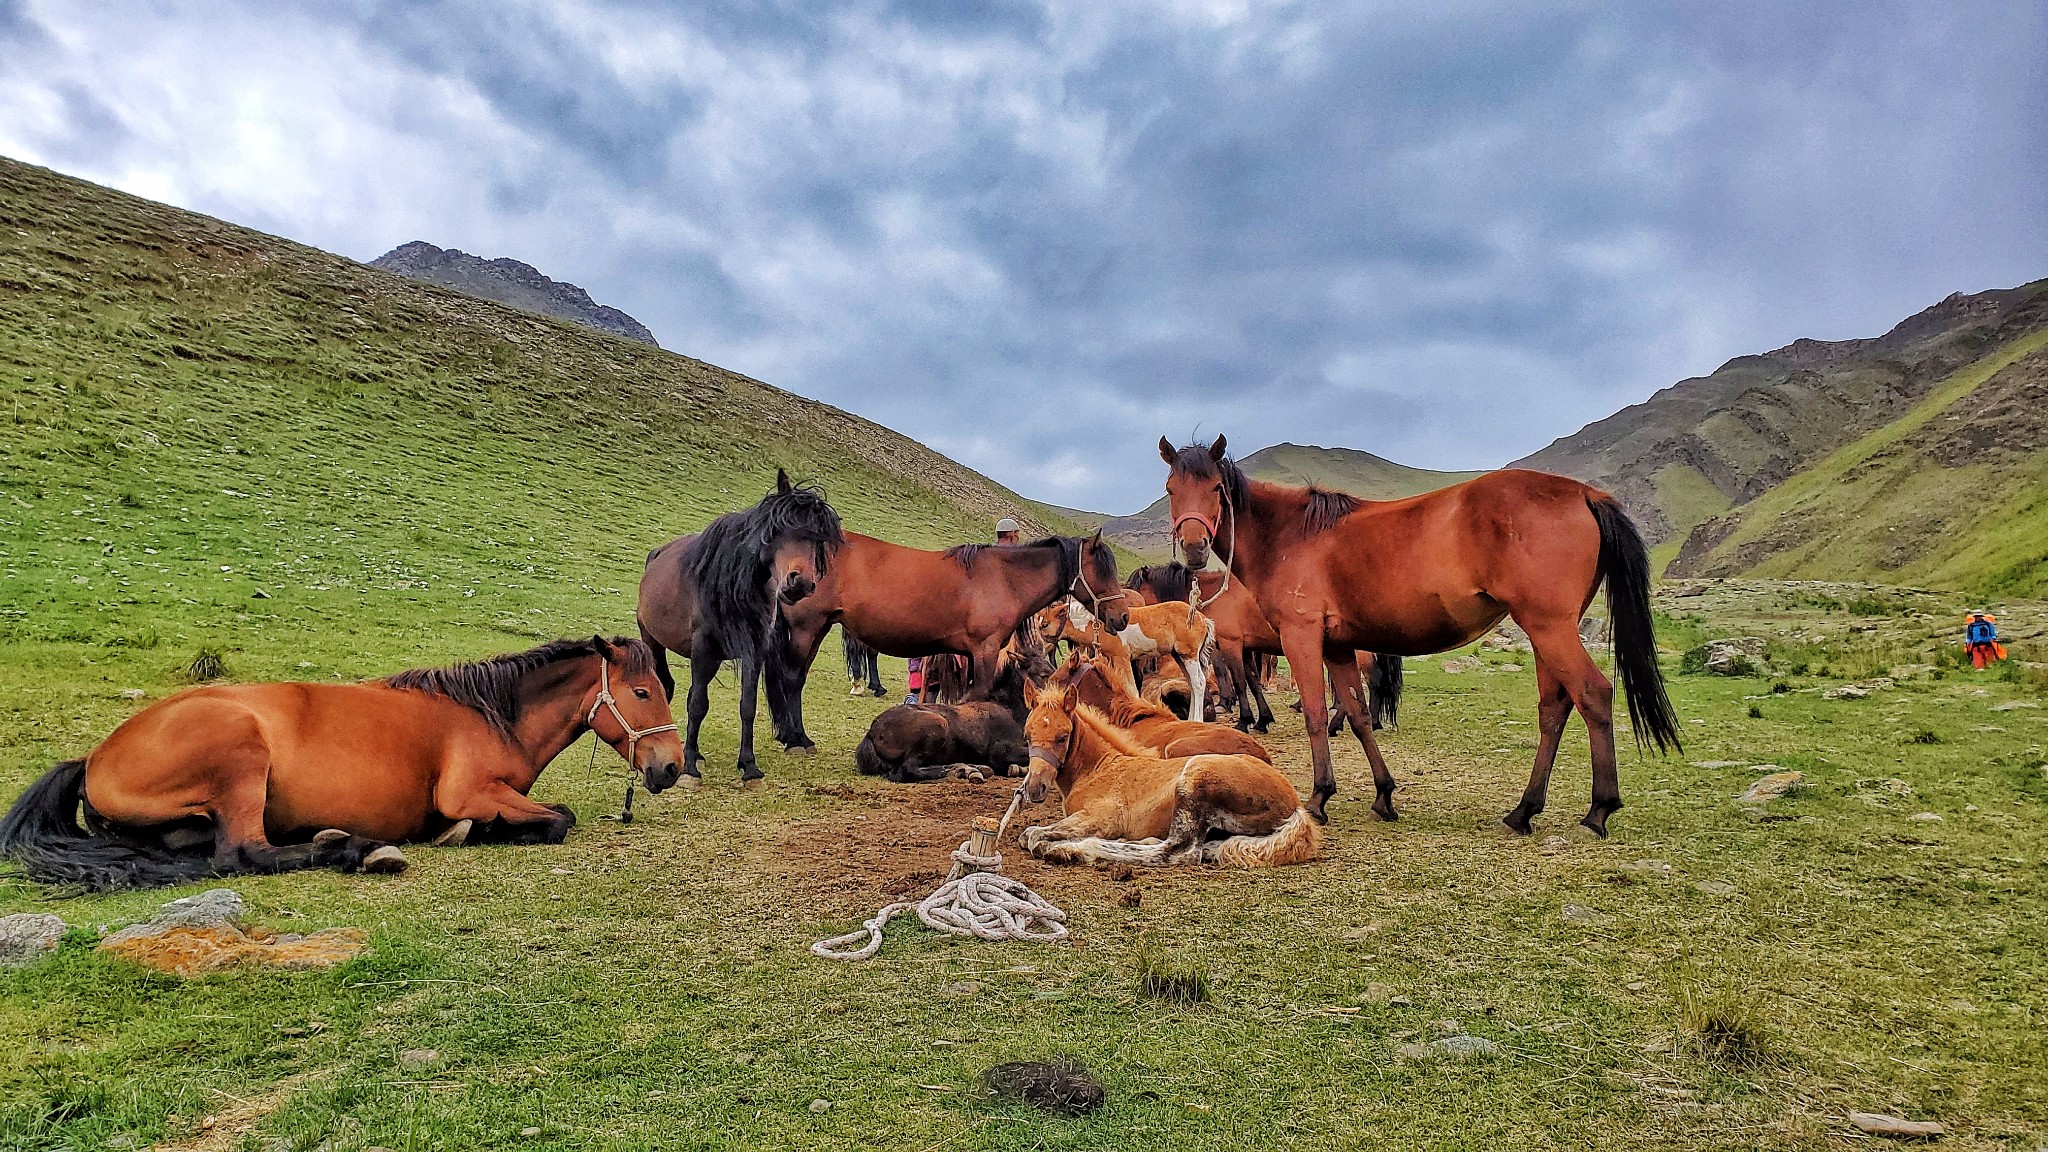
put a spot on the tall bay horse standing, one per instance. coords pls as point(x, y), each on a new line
point(966, 600)
point(715, 596)
point(282, 776)
point(1334, 573)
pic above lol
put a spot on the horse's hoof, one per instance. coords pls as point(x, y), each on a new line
point(1507, 824)
point(1316, 813)
point(752, 783)
point(689, 781)
point(1599, 829)
point(328, 836)
point(456, 836)
point(973, 776)
point(1387, 814)
point(800, 749)
point(387, 859)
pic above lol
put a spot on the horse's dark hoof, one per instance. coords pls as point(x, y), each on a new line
point(1517, 822)
point(1316, 813)
point(1597, 825)
point(327, 837)
point(563, 811)
point(800, 749)
point(387, 860)
point(1386, 813)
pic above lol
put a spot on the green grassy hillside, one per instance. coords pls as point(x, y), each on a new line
point(1706, 445)
point(203, 423)
point(1953, 494)
point(1340, 469)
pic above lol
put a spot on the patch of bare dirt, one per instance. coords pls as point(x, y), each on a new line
point(897, 844)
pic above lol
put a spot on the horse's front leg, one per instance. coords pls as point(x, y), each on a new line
point(1304, 648)
point(787, 674)
point(750, 684)
point(703, 666)
point(981, 683)
point(1351, 695)
point(502, 814)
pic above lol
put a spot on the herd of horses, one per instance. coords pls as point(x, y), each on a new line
point(269, 777)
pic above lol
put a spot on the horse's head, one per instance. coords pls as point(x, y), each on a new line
point(630, 712)
point(1098, 582)
point(1199, 494)
point(1049, 731)
point(799, 535)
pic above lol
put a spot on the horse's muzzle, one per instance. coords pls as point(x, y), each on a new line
point(660, 777)
point(1197, 553)
point(796, 588)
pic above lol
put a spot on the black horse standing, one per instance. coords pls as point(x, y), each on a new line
point(715, 596)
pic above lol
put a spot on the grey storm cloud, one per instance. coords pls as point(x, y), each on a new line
point(1038, 236)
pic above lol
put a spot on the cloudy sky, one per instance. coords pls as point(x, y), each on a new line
point(1039, 236)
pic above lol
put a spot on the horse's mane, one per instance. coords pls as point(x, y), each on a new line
point(1325, 508)
point(728, 563)
point(1169, 582)
point(1128, 710)
point(1068, 558)
point(1111, 734)
point(491, 686)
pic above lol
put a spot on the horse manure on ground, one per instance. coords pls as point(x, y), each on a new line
point(1064, 1086)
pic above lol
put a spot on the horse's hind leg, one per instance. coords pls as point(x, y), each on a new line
point(1553, 711)
point(1559, 649)
point(750, 686)
point(240, 843)
point(1351, 696)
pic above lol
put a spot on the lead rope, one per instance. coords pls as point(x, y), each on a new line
point(984, 903)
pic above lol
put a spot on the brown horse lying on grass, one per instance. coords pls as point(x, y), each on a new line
point(283, 776)
point(918, 743)
point(1126, 805)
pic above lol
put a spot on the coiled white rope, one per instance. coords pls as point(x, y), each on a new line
point(984, 904)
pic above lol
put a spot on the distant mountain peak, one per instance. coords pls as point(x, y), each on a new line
point(509, 282)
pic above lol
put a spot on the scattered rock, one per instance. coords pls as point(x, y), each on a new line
point(1718, 763)
point(529, 1131)
point(1505, 668)
point(1926, 817)
point(962, 988)
point(205, 933)
point(1508, 637)
point(418, 1059)
point(28, 936)
point(1898, 787)
point(1844, 692)
point(1448, 1027)
point(1878, 1124)
point(1744, 656)
point(1461, 664)
point(1380, 993)
point(132, 693)
point(821, 1106)
point(1580, 914)
point(2011, 705)
point(1658, 868)
point(1715, 887)
point(1767, 768)
point(1771, 787)
point(1552, 845)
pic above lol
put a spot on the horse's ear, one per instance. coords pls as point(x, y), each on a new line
point(782, 481)
point(603, 647)
point(1217, 449)
point(1166, 451)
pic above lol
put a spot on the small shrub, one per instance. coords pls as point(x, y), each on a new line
point(1872, 606)
point(1161, 980)
point(1780, 688)
point(1926, 736)
point(207, 664)
point(1719, 1024)
point(1799, 668)
point(1755, 713)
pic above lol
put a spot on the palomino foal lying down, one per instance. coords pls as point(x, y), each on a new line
point(1126, 805)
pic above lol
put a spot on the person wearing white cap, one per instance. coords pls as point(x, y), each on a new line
point(1007, 531)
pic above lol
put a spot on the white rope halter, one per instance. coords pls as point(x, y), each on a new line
point(633, 735)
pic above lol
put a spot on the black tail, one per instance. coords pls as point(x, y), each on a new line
point(1383, 689)
point(41, 834)
point(1625, 565)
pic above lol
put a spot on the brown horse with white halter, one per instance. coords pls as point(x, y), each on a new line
point(1334, 574)
point(1126, 804)
point(967, 600)
point(283, 776)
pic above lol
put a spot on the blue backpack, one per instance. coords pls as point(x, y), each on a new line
point(1981, 632)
